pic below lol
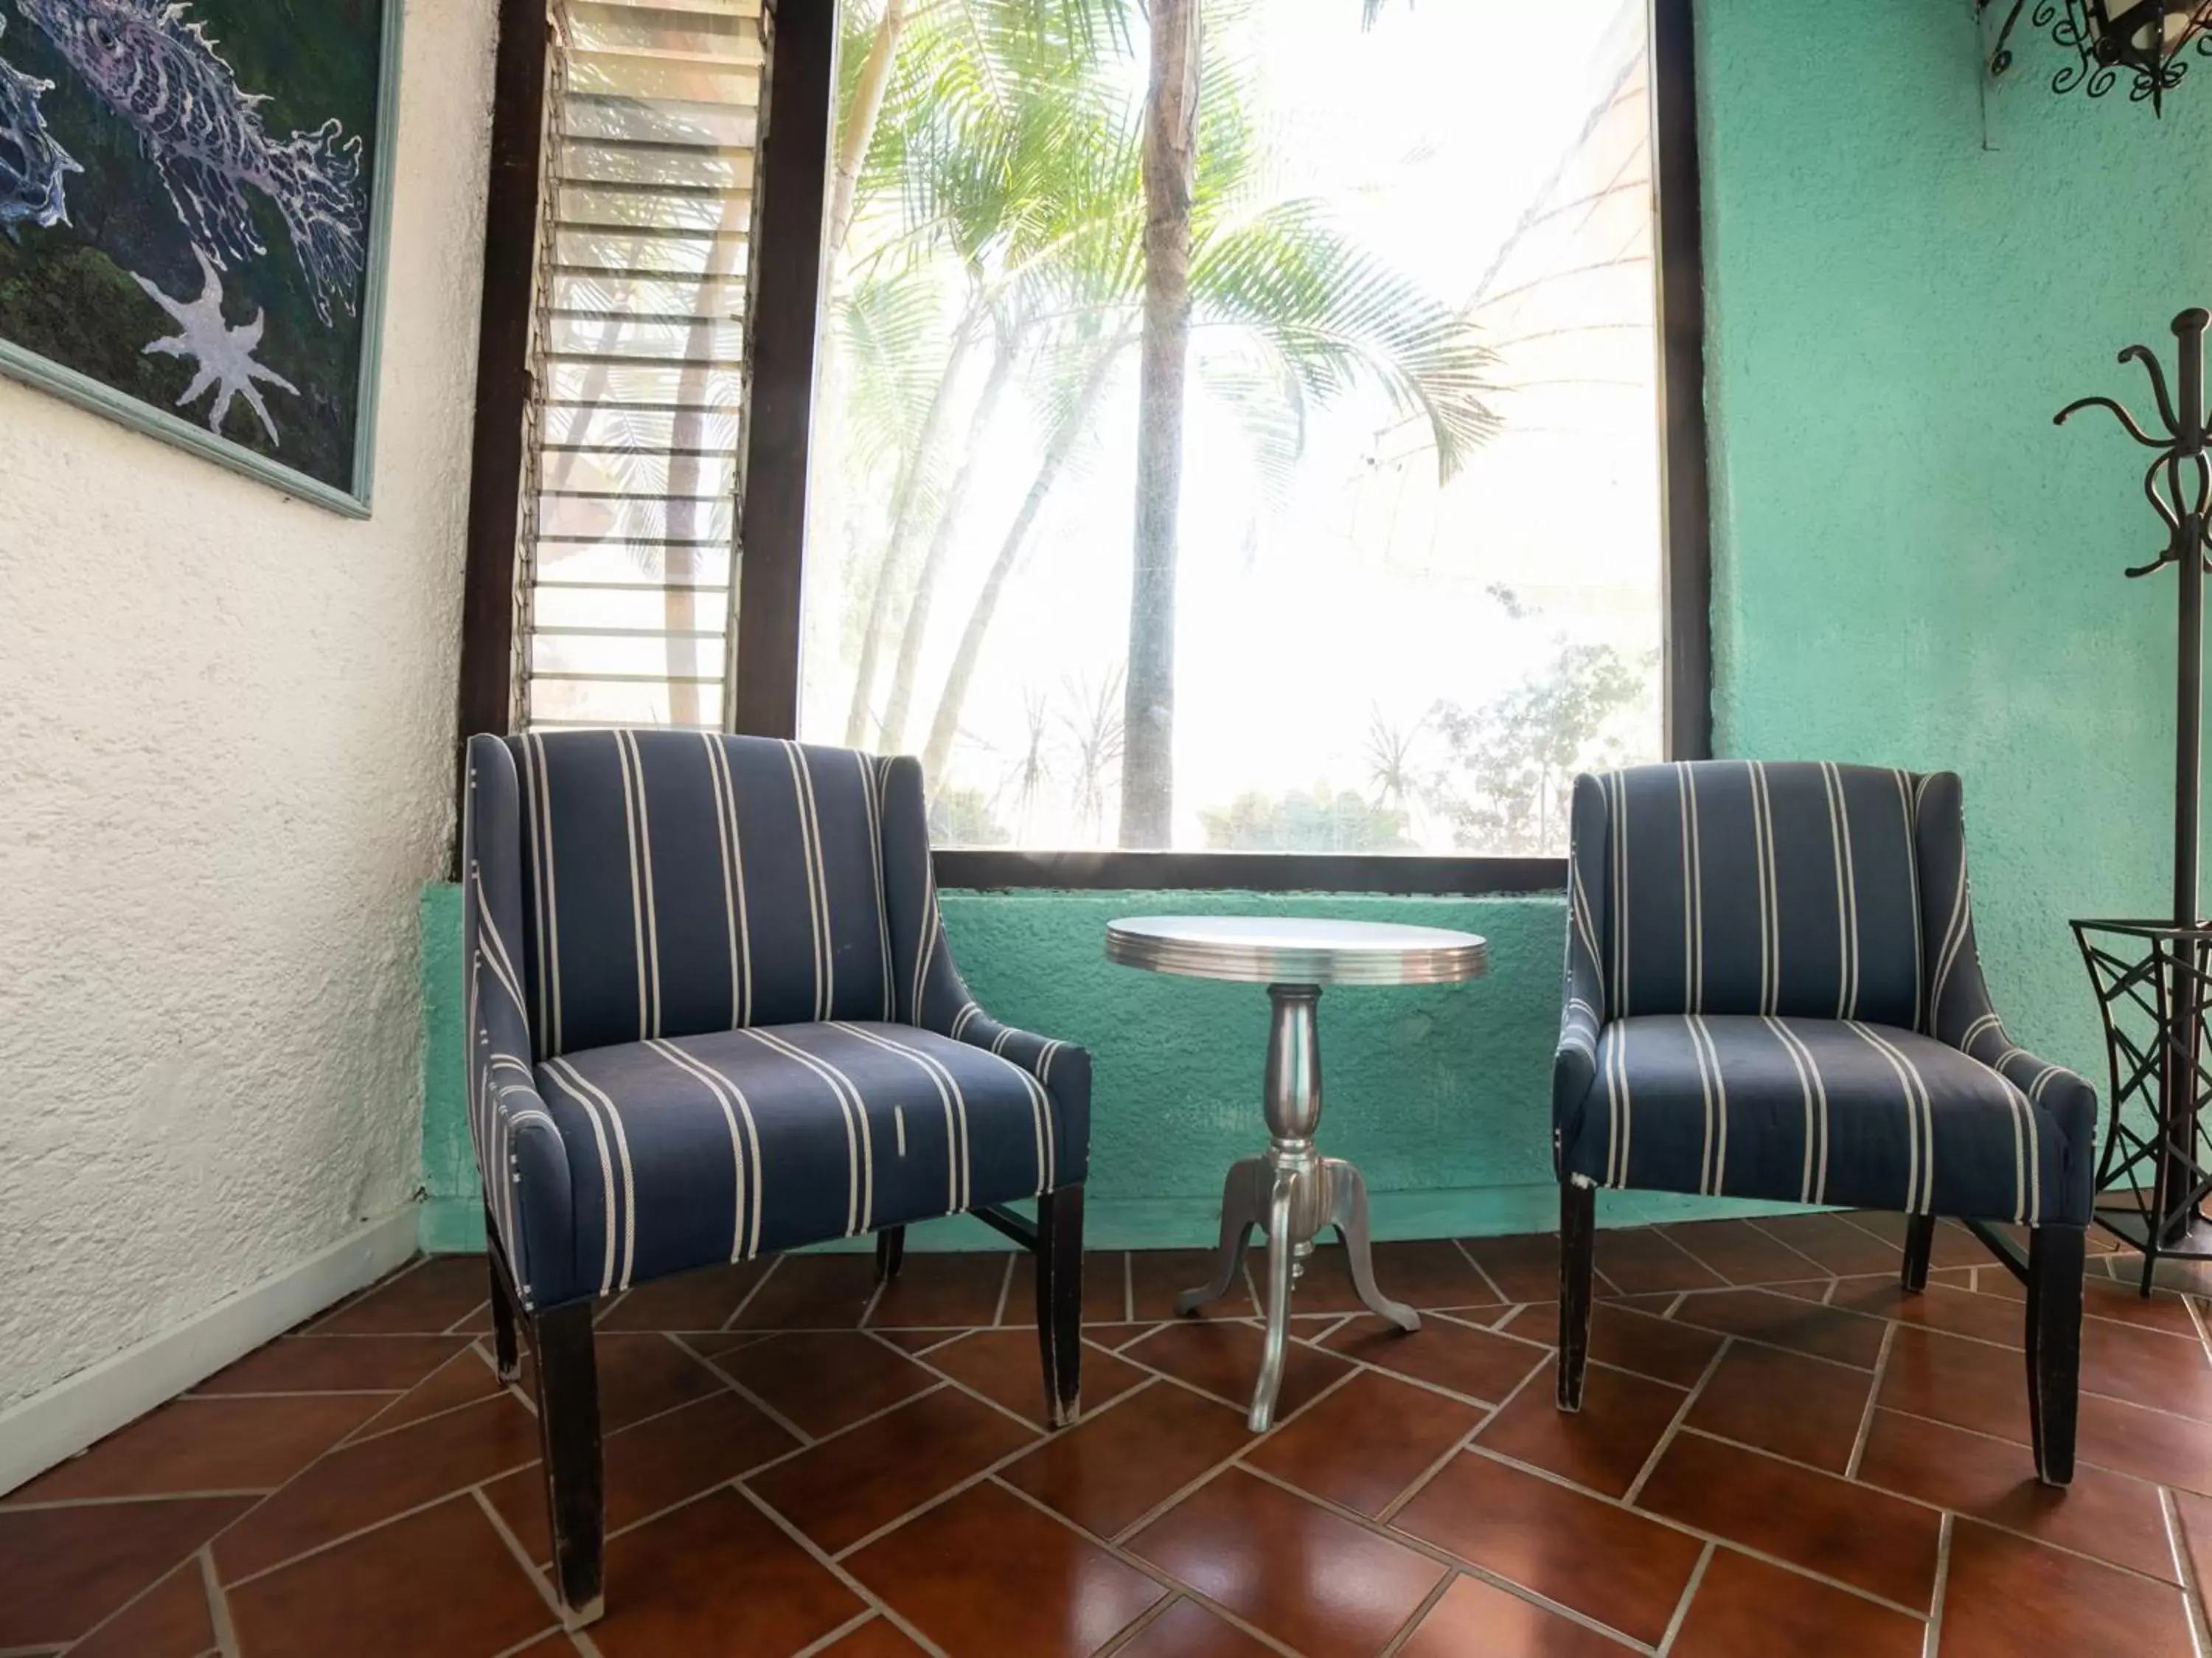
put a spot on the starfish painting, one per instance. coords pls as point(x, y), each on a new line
point(224, 354)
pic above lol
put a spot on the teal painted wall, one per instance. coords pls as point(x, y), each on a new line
point(1907, 274)
point(1911, 564)
point(1439, 1095)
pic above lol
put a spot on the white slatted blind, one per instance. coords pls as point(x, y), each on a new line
point(628, 527)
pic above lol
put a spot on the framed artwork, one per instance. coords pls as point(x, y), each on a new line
point(194, 203)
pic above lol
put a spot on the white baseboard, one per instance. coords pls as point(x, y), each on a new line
point(49, 1427)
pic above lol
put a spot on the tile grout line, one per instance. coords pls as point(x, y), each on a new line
point(1483, 1273)
point(861, 1422)
point(1687, 1530)
point(1682, 1607)
point(2192, 1592)
point(1931, 1641)
point(1234, 1459)
point(850, 1626)
point(218, 1604)
point(1411, 1627)
point(747, 1394)
point(746, 1300)
point(837, 1570)
point(1398, 1504)
point(454, 1328)
point(1416, 1544)
point(2039, 1540)
point(2197, 1318)
point(359, 1531)
point(1874, 1396)
point(959, 1387)
point(529, 1641)
point(1159, 1575)
point(197, 1397)
point(1127, 1637)
point(514, 1547)
point(1753, 1222)
point(1674, 1425)
point(54, 1504)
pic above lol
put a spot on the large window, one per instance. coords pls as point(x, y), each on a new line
point(1411, 580)
point(1237, 442)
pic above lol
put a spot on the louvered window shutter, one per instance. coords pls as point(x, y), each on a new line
point(625, 570)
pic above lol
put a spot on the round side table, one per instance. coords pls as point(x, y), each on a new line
point(1291, 1191)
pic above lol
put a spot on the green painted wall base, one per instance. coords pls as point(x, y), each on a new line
point(454, 1226)
point(1441, 1096)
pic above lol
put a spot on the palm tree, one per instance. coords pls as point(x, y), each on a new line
point(1171, 105)
point(1005, 158)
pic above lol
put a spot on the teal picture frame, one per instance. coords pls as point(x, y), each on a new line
point(354, 500)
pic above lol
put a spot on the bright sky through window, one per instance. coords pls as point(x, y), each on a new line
point(1418, 580)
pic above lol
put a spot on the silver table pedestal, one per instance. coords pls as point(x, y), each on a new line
point(1290, 1193)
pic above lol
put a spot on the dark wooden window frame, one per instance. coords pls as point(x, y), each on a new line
point(791, 180)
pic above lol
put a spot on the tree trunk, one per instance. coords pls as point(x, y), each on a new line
point(893, 562)
point(1171, 150)
point(687, 437)
point(861, 124)
point(946, 725)
point(932, 562)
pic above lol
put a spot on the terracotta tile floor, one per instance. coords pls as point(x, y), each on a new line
point(1773, 1458)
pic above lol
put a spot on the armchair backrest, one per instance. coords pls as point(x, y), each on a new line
point(1745, 887)
point(676, 883)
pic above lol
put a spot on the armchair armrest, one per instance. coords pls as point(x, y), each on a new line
point(520, 1156)
point(1582, 1001)
point(1960, 1013)
point(930, 993)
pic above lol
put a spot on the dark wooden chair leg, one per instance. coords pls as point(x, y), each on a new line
point(1059, 1300)
point(2054, 1347)
point(568, 1434)
point(1919, 1244)
point(890, 1252)
point(1577, 1262)
point(505, 1349)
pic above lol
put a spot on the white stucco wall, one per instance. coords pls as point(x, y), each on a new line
point(225, 729)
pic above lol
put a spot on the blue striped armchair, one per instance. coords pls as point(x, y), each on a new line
point(713, 1014)
point(1772, 991)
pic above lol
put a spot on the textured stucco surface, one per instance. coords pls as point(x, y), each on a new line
point(1912, 566)
point(225, 763)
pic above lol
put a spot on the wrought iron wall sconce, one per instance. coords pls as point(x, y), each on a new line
point(2144, 39)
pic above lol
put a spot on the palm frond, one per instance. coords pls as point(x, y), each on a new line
point(1338, 315)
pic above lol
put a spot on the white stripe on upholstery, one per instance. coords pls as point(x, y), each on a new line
point(564, 1077)
point(955, 1102)
point(733, 883)
point(860, 1193)
point(631, 790)
point(1920, 1022)
point(1816, 1104)
point(745, 1230)
point(817, 878)
point(548, 900)
point(1920, 1118)
point(1712, 1162)
point(872, 804)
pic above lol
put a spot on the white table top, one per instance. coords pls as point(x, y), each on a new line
point(1296, 950)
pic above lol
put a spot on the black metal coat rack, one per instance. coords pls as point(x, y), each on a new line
point(2150, 977)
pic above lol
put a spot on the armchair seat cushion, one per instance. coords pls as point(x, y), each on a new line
point(1822, 1111)
point(689, 1151)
